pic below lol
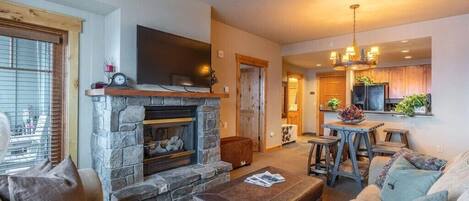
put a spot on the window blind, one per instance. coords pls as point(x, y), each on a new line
point(31, 96)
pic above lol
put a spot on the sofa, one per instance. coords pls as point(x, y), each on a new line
point(455, 179)
point(91, 184)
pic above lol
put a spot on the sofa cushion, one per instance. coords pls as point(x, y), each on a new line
point(40, 168)
point(405, 182)
point(370, 193)
point(464, 196)
point(62, 183)
point(439, 196)
point(456, 178)
point(420, 161)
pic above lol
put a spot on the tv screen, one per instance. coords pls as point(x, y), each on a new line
point(168, 59)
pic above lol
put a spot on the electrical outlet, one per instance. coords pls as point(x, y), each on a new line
point(221, 54)
point(272, 134)
point(439, 149)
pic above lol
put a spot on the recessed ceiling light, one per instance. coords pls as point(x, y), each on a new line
point(404, 41)
point(408, 57)
point(318, 65)
point(405, 51)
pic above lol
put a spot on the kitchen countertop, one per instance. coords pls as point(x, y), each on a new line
point(380, 112)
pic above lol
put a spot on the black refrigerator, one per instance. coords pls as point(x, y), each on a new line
point(371, 97)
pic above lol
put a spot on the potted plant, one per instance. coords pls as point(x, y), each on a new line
point(365, 80)
point(333, 103)
point(412, 104)
point(351, 115)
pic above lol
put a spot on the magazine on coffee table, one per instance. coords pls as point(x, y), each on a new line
point(265, 179)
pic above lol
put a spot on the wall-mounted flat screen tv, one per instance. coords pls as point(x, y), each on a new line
point(168, 59)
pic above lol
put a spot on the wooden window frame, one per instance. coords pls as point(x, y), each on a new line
point(25, 15)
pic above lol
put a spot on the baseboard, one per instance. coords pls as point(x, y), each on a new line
point(274, 148)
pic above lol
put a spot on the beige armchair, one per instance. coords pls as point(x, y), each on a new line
point(91, 184)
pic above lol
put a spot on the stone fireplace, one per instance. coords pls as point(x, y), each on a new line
point(156, 146)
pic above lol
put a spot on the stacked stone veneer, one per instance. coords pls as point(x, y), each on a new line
point(117, 150)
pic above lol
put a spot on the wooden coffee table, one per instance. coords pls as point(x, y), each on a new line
point(295, 188)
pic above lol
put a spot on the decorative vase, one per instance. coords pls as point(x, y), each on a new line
point(420, 110)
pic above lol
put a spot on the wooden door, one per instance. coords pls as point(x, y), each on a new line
point(249, 115)
point(330, 87)
point(295, 101)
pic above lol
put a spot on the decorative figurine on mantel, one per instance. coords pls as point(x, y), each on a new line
point(213, 79)
point(109, 68)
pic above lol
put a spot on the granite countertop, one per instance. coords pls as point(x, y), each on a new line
point(379, 112)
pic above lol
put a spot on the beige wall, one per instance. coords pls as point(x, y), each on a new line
point(446, 133)
point(232, 40)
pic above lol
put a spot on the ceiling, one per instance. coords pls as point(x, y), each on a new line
point(93, 6)
point(288, 21)
point(390, 53)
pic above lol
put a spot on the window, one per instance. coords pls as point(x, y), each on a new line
point(31, 94)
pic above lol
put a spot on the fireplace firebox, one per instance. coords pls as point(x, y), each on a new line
point(169, 138)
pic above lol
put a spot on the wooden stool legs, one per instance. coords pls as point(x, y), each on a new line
point(322, 163)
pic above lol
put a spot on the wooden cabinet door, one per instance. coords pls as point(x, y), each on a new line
point(249, 116)
point(330, 87)
point(415, 80)
point(397, 82)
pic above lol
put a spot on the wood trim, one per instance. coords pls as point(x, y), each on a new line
point(243, 59)
point(136, 92)
point(31, 34)
point(331, 74)
point(25, 15)
point(22, 13)
point(274, 148)
point(252, 61)
point(166, 121)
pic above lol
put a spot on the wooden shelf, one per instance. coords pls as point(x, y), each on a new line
point(136, 92)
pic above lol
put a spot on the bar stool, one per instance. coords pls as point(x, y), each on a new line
point(388, 147)
point(322, 166)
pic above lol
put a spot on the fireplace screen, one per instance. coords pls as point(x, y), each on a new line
point(166, 139)
point(169, 138)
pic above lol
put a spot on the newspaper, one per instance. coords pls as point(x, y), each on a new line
point(265, 179)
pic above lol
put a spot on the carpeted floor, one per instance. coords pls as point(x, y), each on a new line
point(293, 158)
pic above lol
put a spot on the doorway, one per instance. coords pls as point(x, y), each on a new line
point(331, 85)
point(250, 100)
point(295, 100)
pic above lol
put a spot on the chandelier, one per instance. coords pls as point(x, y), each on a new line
point(354, 58)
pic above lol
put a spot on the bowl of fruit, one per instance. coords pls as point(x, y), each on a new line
point(351, 115)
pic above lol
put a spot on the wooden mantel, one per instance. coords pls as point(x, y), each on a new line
point(136, 92)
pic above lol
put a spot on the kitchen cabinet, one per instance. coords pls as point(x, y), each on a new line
point(403, 81)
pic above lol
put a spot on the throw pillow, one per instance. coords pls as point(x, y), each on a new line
point(421, 161)
point(40, 168)
point(455, 180)
point(62, 183)
point(440, 196)
point(405, 182)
